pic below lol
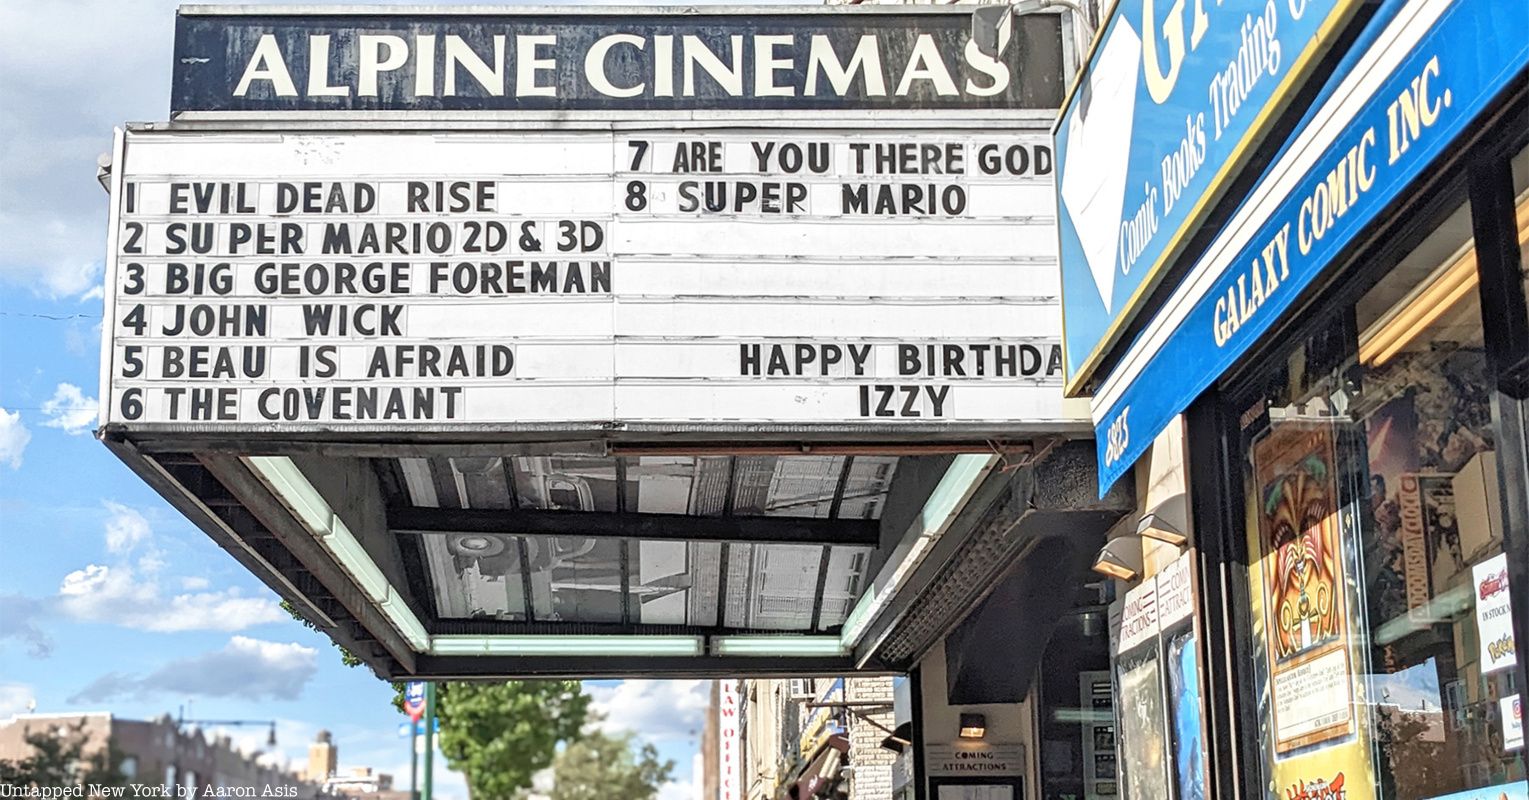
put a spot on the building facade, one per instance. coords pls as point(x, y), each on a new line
point(323, 768)
point(323, 758)
point(818, 737)
point(158, 752)
point(365, 782)
point(1304, 336)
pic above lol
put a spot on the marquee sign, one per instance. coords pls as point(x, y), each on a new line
point(392, 280)
point(610, 60)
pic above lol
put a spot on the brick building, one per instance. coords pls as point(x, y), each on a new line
point(157, 752)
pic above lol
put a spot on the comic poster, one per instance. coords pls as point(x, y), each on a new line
point(1306, 498)
point(1442, 527)
point(1415, 558)
point(1391, 443)
point(1176, 606)
point(1145, 751)
point(1301, 557)
point(1430, 540)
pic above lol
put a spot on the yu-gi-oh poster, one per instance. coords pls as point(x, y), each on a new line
point(1302, 562)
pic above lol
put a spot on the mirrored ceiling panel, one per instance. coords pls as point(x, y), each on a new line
point(476, 576)
point(675, 583)
point(785, 486)
point(848, 569)
point(560, 573)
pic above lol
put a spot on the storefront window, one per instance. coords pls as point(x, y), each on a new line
point(1377, 576)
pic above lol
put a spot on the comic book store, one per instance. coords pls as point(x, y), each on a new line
point(1294, 292)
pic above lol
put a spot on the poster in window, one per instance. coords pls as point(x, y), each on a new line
point(1494, 614)
point(1188, 736)
point(1443, 530)
point(1143, 751)
point(1391, 443)
point(1511, 710)
point(1096, 697)
point(1176, 622)
point(1301, 557)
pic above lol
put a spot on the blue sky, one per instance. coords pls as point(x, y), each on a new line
point(109, 600)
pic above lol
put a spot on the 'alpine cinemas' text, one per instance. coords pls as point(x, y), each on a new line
point(528, 65)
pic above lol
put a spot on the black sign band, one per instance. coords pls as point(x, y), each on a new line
point(609, 62)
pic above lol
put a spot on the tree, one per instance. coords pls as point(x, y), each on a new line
point(60, 760)
point(1421, 764)
point(601, 766)
point(497, 734)
point(500, 734)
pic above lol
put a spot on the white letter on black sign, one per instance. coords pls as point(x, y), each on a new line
point(594, 65)
point(527, 65)
point(424, 65)
point(373, 62)
point(926, 64)
point(318, 70)
point(867, 59)
point(459, 54)
point(766, 65)
point(663, 66)
point(696, 52)
point(267, 65)
point(989, 66)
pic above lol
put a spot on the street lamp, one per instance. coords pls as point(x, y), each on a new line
point(180, 728)
point(270, 740)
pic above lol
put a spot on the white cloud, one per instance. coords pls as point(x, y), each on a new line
point(70, 410)
point(224, 610)
point(125, 529)
point(13, 438)
point(655, 710)
point(253, 669)
point(82, 337)
point(15, 699)
point(133, 595)
point(60, 109)
point(120, 595)
point(19, 617)
point(679, 790)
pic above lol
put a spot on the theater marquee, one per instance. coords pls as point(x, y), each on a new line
point(530, 342)
point(800, 276)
